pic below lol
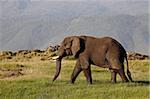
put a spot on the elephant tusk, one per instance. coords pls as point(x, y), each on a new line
point(55, 57)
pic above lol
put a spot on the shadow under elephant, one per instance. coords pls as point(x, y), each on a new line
point(142, 82)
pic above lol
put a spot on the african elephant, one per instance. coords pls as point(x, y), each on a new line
point(103, 52)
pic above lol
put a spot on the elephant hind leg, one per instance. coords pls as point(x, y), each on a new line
point(122, 75)
point(118, 66)
point(85, 64)
point(113, 75)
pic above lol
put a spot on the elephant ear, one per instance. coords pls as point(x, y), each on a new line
point(75, 46)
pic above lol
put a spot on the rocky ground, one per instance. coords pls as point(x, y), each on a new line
point(137, 56)
point(29, 55)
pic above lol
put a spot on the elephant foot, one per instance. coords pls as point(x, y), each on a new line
point(72, 82)
point(113, 81)
point(89, 83)
point(125, 81)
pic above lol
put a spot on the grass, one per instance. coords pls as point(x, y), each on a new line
point(36, 83)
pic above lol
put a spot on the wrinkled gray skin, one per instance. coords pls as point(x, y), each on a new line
point(103, 52)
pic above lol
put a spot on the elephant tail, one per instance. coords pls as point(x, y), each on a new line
point(128, 72)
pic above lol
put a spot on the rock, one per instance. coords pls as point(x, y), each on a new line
point(6, 53)
point(37, 51)
point(53, 48)
point(22, 52)
point(137, 56)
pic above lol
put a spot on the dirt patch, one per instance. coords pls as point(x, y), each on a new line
point(6, 72)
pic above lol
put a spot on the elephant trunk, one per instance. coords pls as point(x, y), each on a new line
point(58, 63)
point(58, 68)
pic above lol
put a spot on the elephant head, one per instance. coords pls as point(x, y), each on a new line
point(69, 46)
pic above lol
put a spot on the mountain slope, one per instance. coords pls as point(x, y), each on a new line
point(29, 24)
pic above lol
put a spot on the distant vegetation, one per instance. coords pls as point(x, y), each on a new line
point(48, 54)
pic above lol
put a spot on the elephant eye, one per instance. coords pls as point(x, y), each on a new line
point(65, 45)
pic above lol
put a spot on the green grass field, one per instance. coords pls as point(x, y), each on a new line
point(36, 83)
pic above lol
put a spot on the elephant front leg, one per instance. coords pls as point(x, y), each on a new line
point(87, 73)
point(86, 68)
point(76, 72)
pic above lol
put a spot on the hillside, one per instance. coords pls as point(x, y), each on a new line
point(37, 24)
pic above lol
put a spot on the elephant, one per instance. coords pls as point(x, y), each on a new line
point(103, 52)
